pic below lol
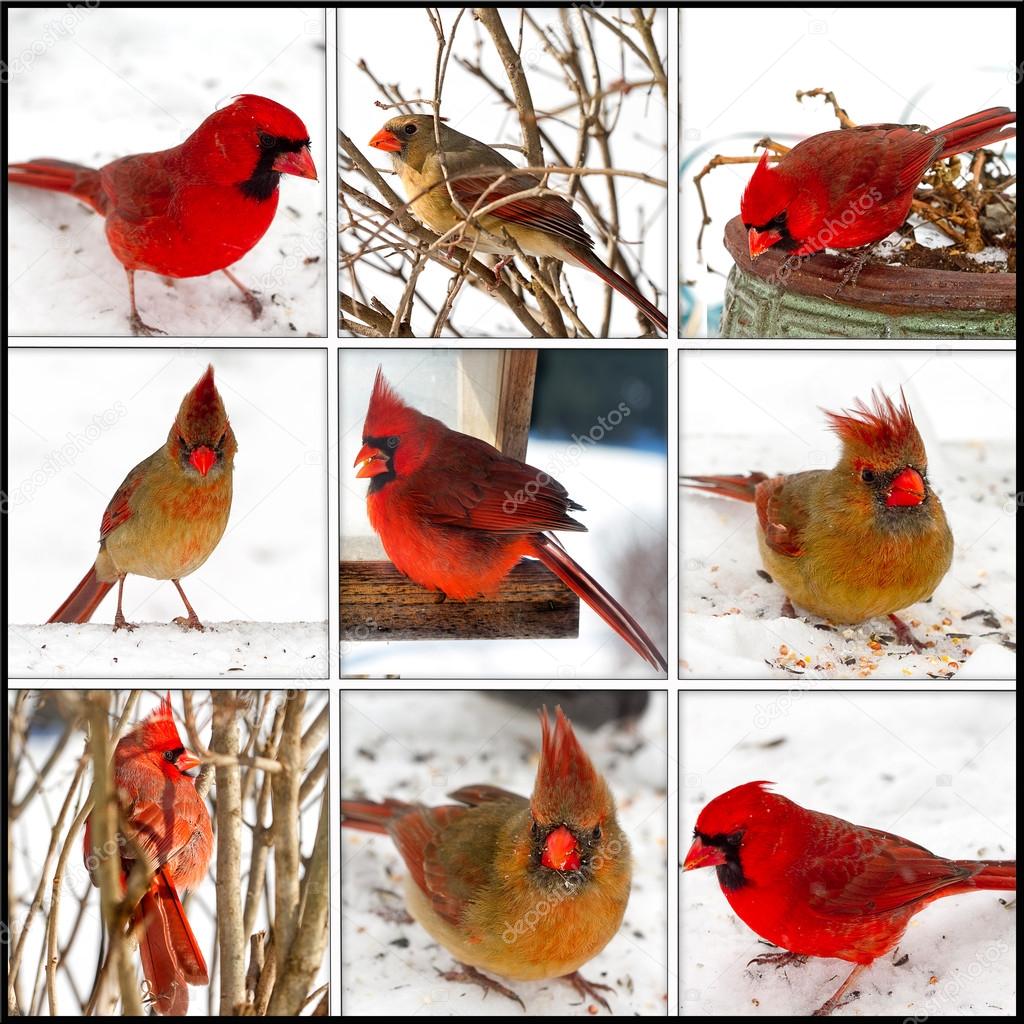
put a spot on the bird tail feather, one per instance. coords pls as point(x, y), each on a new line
point(592, 262)
point(368, 816)
point(585, 586)
point(83, 601)
point(976, 130)
point(991, 874)
point(60, 176)
point(738, 487)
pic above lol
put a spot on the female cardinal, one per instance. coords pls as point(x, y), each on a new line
point(527, 889)
point(863, 539)
point(162, 814)
point(169, 513)
point(456, 515)
point(539, 225)
point(193, 209)
point(847, 188)
point(817, 885)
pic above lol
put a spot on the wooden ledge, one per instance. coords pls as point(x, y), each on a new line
point(379, 603)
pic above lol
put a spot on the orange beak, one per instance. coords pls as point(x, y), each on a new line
point(186, 762)
point(761, 241)
point(299, 163)
point(701, 855)
point(561, 851)
point(907, 488)
point(387, 141)
point(371, 461)
point(202, 458)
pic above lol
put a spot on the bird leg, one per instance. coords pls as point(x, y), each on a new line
point(589, 989)
point(254, 304)
point(470, 975)
point(137, 324)
point(840, 998)
point(788, 612)
point(192, 621)
point(120, 622)
point(779, 960)
point(852, 272)
point(905, 636)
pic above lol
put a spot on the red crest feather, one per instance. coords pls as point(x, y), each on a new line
point(387, 413)
point(565, 774)
point(885, 429)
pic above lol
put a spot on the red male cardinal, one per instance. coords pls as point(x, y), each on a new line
point(863, 539)
point(193, 209)
point(527, 889)
point(847, 188)
point(169, 513)
point(540, 225)
point(162, 814)
point(817, 885)
point(456, 515)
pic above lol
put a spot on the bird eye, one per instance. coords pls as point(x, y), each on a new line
point(182, 441)
point(867, 475)
point(535, 831)
point(393, 441)
point(220, 443)
point(409, 129)
point(172, 755)
point(267, 141)
point(597, 833)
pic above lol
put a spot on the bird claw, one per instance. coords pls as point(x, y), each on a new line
point(905, 636)
point(141, 328)
point(589, 989)
point(120, 622)
point(254, 304)
point(788, 611)
point(826, 1008)
point(777, 960)
point(189, 622)
point(470, 975)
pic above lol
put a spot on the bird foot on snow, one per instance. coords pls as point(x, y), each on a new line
point(837, 1001)
point(788, 611)
point(141, 328)
point(188, 622)
point(905, 636)
point(470, 975)
point(254, 304)
point(589, 989)
point(120, 622)
point(778, 960)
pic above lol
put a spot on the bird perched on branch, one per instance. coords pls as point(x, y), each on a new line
point(193, 209)
point(477, 177)
point(816, 885)
point(528, 889)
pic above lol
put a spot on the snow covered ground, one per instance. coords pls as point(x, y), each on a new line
point(389, 966)
point(729, 104)
point(265, 587)
point(744, 411)
point(935, 768)
point(89, 84)
point(622, 490)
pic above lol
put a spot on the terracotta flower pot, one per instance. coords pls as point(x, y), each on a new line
point(796, 297)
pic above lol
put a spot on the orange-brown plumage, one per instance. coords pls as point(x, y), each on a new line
point(526, 889)
point(863, 539)
point(169, 513)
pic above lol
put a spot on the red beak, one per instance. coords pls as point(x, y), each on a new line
point(907, 488)
point(761, 241)
point(387, 141)
point(371, 461)
point(186, 762)
point(299, 163)
point(561, 851)
point(202, 458)
point(703, 856)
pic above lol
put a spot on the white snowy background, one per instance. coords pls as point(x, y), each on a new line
point(934, 768)
point(28, 850)
point(398, 45)
point(389, 967)
point(89, 83)
point(263, 592)
point(744, 411)
point(622, 489)
point(883, 66)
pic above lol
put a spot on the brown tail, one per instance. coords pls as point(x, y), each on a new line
point(367, 816)
point(740, 488)
point(592, 262)
point(171, 957)
point(83, 601)
point(981, 129)
point(991, 874)
point(60, 176)
point(584, 585)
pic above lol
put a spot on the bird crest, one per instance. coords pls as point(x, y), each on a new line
point(884, 429)
point(387, 413)
point(566, 778)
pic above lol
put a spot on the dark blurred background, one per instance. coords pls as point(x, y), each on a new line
point(576, 386)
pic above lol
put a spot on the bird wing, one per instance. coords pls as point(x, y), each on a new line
point(472, 485)
point(119, 508)
point(482, 794)
point(782, 513)
point(160, 832)
point(549, 213)
point(862, 870)
point(140, 187)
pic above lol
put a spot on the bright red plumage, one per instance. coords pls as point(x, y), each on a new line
point(848, 188)
point(454, 514)
point(817, 885)
point(193, 209)
point(163, 814)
